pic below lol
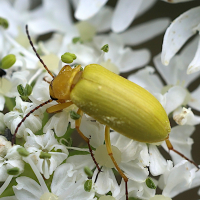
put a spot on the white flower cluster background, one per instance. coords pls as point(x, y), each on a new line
point(153, 43)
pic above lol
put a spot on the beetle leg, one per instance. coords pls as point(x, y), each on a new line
point(110, 153)
point(77, 124)
point(58, 107)
point(170, 147)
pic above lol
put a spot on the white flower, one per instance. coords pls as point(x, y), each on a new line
point(124, 14)
point(9, 158)
point(37, 144)
point(182, 28)
point(136, 190)
point(65, 186)
point(60, 121)
point(177, 179)
point(33, 121)
point(185, 116)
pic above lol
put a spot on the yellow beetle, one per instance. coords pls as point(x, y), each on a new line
point(112, 100)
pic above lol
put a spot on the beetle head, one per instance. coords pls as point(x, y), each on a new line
point(62, 84)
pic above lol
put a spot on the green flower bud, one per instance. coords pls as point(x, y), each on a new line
point(23, 152)
point(150, 183)
point(44, 155)
point(8, 61)
point(88, 185)
point(4, 22)
point(105, 48)
point(13, 171)
point(74, 115)
point(20, 89)
point(28, 89)
point(68, 57)
point(76, 39)
point(88, 171)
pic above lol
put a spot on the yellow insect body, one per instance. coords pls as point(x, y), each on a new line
point(121, 104)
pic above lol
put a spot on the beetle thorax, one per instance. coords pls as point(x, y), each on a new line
point(62, 84)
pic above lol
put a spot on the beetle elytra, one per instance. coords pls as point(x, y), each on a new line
point(112, 100)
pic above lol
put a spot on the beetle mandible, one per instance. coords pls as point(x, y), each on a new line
point(112, 100)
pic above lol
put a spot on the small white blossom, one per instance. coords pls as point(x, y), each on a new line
point(9, 158)
point(65, 186)
point(13, 118)
point(185, 116)
point(36, 144)
point(136, 190)
point(177, 179)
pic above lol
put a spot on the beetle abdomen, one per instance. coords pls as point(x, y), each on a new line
point(121, 104)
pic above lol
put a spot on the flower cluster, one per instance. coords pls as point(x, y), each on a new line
point(38, 160)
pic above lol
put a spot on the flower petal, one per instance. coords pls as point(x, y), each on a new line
point(2, 102)
point(132, 59)
point(177, 180)
point(174, 73)
point(139, 33)
point(181, 29)
point(135, 170)
point(158, 164)
point(147, 79)
point(124, 14)
point(174, 98)
point(129, 10)
point(87, 127)
point(88, 8)
point(195, 99)
point(194, 66)
point(102, 21)
point(27, 188)
point(106, 181)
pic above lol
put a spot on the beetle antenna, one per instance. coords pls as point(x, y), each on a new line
point(23, 119)
point(31, 43)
